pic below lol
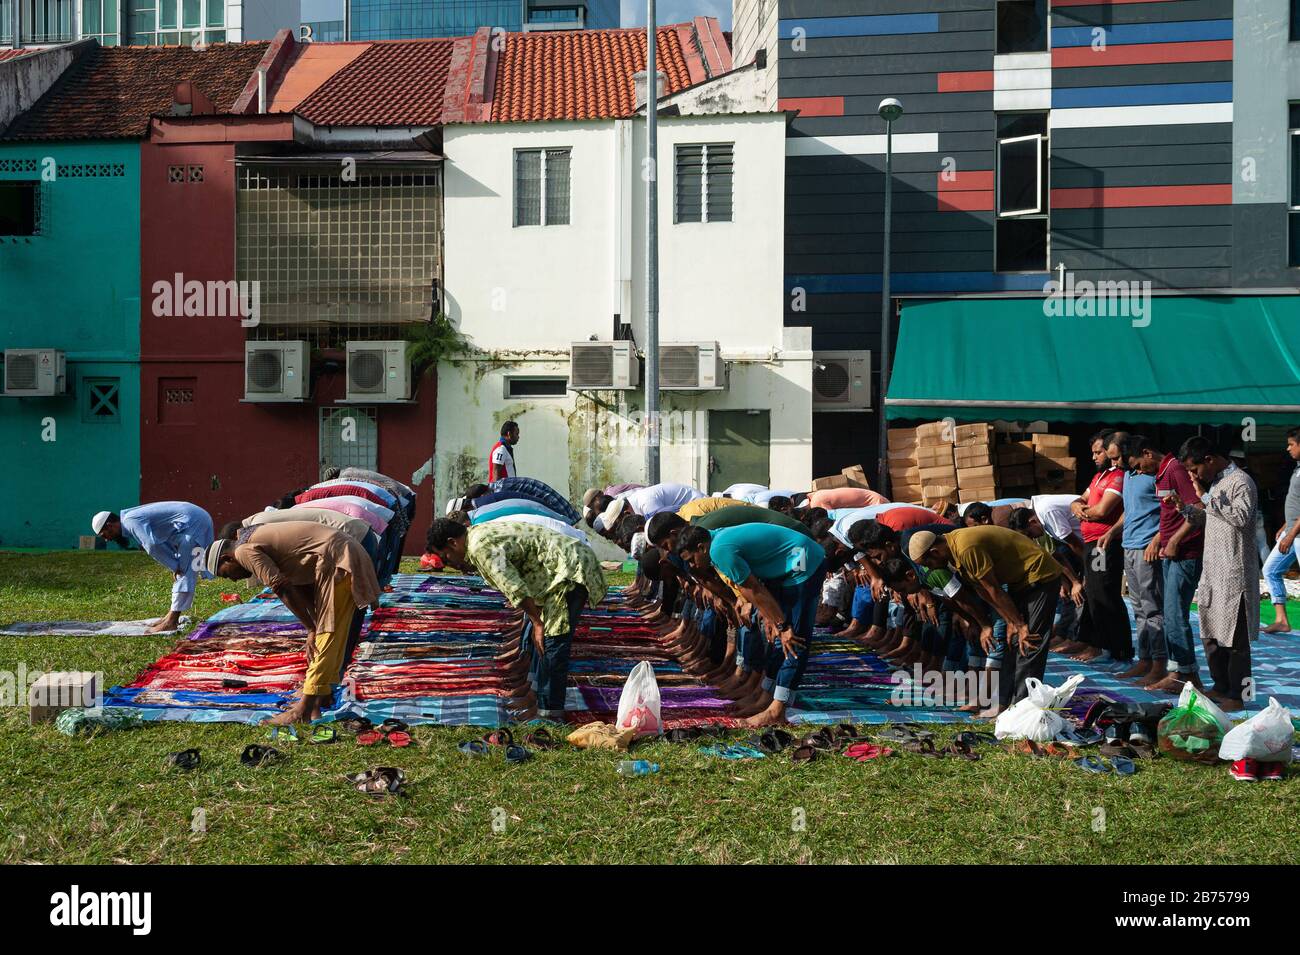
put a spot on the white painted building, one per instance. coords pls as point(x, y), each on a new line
point(523, 292)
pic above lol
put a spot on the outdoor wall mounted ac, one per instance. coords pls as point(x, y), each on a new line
point(378, 372)
point(35, 372)
point(276, 371)
point(841, 380)
point(691, 366)
point(609, 366)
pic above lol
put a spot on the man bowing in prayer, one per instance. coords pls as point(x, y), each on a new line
point(549, 576)
point(323, 577)
point(175, 534)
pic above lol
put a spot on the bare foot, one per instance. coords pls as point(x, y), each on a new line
point(1140, 668)
point(1277, 626)
point(990, 714)
point(774, 715)
point(1085, 655)
point(300, 712)
point(1157, 673)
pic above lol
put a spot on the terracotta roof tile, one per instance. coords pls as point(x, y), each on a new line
point(393, 83)
point(580, 74)
point(10, 54)
point(110, 92)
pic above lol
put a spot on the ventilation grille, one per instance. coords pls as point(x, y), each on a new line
point(592, 366)
point(265, 371)
point(366, 371)
point(679, 366)
point(20, 372)
point(832, 381)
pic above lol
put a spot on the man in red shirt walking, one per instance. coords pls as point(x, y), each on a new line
point(501, 460)
point(1104, 625)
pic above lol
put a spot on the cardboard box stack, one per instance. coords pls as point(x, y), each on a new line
point(935, 463)
point(973, 457)
point(1055, 472)
point(904, 470)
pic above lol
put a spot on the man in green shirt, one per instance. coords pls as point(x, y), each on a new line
point(545, 574)
point(987, 558)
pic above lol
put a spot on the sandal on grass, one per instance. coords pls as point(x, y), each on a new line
point(921, 747)
point(961, 750)
point(356, 725)
point(499, 738)
point(1091, 764)
point(541, 739)
point(324, 734)
point(283, 734)
point(393, 726)
point(804, 753)
point(369, 738)
point(255, 755)
point(774, 741)
point(517, 754)
point(473, 747)
point(186, 759)
point(381, 781)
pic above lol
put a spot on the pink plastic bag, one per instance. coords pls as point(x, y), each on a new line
point(639, 703)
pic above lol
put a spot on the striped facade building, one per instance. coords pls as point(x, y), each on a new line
point(1092, 140)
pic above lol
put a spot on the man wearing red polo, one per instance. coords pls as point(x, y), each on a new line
point(1104, 625)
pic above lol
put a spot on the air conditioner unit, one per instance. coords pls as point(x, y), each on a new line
point(35, 372)
point(691, 366)
point(609, 366)
point(378, 372)
point(276, 371)
point(841, 380)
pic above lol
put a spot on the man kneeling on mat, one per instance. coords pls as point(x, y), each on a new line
point(323, 577)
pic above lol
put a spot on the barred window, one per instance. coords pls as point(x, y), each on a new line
point(542, 183)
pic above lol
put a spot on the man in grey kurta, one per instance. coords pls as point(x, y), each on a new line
point(1228, 595)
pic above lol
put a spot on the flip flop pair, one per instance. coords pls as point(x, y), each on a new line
point(864, 752)
point(1119, 765)
point(255, 756)
point(734, 751)
point(514, 753)
point(394, 732)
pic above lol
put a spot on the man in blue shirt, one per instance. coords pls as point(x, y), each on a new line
point(175, 534)
point(1139, 528)
point(780, 572)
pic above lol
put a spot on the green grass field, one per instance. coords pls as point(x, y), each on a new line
point(108, 798)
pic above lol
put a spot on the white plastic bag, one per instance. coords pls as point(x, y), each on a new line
point(1266, 736)
point(1035, 716)
point(638, 704)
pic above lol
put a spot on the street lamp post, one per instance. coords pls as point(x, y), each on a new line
point(651, 250)
point(890, 109)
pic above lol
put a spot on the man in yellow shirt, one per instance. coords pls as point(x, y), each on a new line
point(989, 558)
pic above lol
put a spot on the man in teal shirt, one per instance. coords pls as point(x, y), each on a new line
point(780, 572)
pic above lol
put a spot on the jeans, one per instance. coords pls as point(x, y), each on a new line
point(799, 604)
point(1181, 578)
point(957, 657)
point(1146, 592)
point(548, 671)
point(863, 604)
point(751, 651)
point(1275, 565)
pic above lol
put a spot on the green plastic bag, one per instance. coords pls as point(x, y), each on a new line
point(1194, 728)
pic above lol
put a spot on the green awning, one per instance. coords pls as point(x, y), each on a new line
point(1186, 360)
